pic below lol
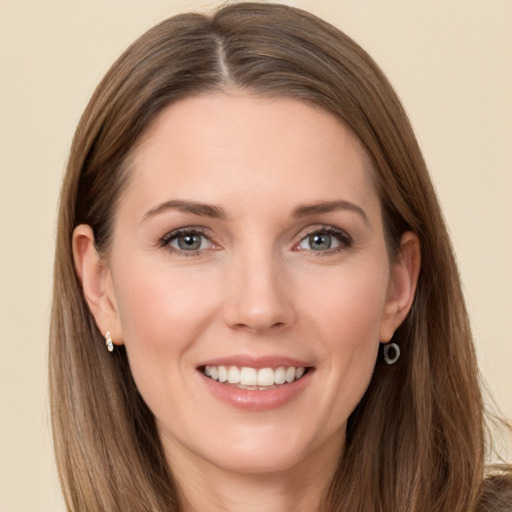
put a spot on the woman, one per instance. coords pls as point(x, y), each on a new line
point(256, 304)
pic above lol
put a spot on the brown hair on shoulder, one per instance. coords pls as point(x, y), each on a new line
point(496, 492)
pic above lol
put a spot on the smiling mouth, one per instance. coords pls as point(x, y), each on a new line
point(254, 379)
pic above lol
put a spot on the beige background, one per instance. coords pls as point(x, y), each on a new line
point(451, 64)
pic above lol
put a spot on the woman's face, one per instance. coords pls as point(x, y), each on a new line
point(248, 245)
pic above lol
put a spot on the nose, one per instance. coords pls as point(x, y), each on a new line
point(260, 296)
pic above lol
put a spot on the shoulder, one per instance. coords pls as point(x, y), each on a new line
point(496, 493)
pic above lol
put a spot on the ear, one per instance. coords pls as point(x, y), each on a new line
point(97, 284)
point(405, 270)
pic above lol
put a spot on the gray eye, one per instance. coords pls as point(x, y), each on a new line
point(320, 241)
point(189, 242)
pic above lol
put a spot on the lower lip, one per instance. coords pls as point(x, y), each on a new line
point(253, 400)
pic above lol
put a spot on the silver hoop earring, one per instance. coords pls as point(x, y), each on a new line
point(391, 353)
point(109, 342)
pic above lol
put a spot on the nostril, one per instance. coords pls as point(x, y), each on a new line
point(258, 313)
point(259, 326)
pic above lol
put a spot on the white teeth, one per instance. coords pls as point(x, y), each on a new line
point(266, 377)
point(214, 372)
point(252, 378)
point(248, 377)
point(280, 375)
point(233, 375)
point(223, 374)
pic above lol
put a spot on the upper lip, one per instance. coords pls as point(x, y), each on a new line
point(269, 361)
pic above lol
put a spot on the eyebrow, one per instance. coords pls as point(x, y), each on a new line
point(202, 209)
point(215, 212)
point(329, 206)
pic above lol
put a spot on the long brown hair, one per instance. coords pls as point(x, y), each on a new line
point(416, 441)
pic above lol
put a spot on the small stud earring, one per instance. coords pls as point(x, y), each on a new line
point(109, 342)
point(391, 353)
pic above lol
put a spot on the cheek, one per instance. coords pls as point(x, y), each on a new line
point(162, 314)
point(349, 326)
point(157, 302)
point(348, 305)
point(345, 319)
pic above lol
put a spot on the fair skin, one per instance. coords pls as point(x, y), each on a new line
point(279, 262)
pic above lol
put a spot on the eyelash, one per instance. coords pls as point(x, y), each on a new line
point(344, 239)
point(166, 240)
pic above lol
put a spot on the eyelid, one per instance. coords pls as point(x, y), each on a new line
point(344, 239)
point(165, 240)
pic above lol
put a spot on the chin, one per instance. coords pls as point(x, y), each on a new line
point(248, 460)
point(271, 450)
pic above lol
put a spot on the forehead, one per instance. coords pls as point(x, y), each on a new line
point(217, 147)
